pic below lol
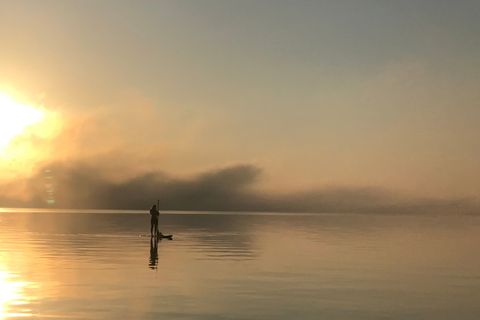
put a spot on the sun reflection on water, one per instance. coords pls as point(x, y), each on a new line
point(13, 298)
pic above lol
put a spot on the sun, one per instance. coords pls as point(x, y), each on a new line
point(29, 135)
point(15, 117)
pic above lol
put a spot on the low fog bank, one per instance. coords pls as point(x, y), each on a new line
point(232, 188)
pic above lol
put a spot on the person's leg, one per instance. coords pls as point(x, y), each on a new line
point(152, 225)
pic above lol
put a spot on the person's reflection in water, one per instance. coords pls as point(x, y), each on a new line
point(153, 262)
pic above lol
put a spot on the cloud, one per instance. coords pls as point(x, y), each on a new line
point(79, 185)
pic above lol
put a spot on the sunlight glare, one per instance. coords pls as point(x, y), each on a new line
point(11, 294)
point(14, 118)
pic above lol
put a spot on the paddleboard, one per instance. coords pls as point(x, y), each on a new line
point(165, 236)
point(159, 236)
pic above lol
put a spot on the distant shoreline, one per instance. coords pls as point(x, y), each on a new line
point(200, 212)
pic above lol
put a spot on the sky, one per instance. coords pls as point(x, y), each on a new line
point(304, 98)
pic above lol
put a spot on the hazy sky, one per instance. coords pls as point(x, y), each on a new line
point(315, 93)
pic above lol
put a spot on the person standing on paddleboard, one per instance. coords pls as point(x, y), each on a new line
point(154, 220)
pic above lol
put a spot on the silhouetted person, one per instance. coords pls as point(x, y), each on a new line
point(154, 220)
point(152, 264)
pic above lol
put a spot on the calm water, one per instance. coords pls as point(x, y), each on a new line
point(70, 265)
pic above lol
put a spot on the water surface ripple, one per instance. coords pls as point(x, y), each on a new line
point(103, 265)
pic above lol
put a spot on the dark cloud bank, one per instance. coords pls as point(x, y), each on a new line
point(226, 189)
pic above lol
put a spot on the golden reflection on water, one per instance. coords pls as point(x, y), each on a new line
point(98, 266)
point(13, 298)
